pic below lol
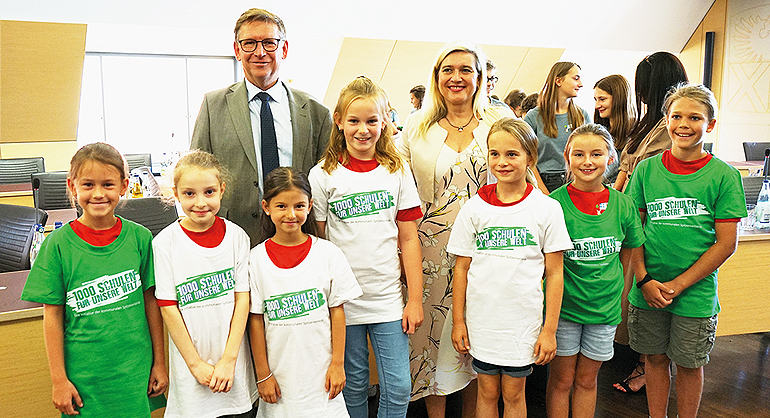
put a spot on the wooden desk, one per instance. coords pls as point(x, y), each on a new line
point(17, 194)
point(746, 166)
point(59, 215)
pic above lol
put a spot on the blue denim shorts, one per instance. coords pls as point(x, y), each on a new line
point(593, 341)
point(493, 370)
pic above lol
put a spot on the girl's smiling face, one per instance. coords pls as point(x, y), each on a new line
point(362, 125)
point(588, 158)
point(570, 83)
point(602, 102)
point(97, 189)
point(199, 192)
point(288, 210)
point(687, 122)
point(507, 159)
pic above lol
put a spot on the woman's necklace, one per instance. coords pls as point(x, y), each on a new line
point(459, 128)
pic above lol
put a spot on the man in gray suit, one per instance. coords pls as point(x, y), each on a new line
point(231, 121)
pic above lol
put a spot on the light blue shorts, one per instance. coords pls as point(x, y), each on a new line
point(594, 341)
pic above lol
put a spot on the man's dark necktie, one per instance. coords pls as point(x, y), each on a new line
point(269, 142)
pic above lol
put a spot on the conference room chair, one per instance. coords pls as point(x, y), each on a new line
point(755, 151)
point(17, 224)
point(709, 147)
point(152, 212)
point(751, 188)
point(52, 190)
point(138, 160)
point(20, 170)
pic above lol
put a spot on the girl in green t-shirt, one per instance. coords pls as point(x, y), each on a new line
point(604, 227)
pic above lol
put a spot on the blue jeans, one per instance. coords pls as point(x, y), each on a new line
point(391, 351)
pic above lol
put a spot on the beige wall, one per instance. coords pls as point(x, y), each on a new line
point(40, 90)
point(397, 66)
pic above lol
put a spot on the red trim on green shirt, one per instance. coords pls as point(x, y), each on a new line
point(677, 166)
point(97, 237)
point(590, 203)
point(210, 238)
point(286, 257)
point(487, 194)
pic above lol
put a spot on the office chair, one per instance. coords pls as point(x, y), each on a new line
point(708, 147)
point(52, 190)
point(17, 224)
point(151, 212)
point(751, 188)
point(755, 151)
point(20, 170)
point(138, 160)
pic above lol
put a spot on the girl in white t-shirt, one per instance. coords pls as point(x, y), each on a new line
point(202, 287)
point(366, 202)
point(505, 238)
point(298, 286)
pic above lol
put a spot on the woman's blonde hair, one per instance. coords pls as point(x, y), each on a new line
point(434, 108)
point(593, 129)
point(549, 95)
point(385, 151)
point(523, 133)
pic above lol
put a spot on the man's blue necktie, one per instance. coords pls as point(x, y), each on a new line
point(269, 142)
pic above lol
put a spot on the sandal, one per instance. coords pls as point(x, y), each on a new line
point(624, 385)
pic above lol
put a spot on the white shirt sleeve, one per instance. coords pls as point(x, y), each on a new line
point(318, 188)
point(462, 239)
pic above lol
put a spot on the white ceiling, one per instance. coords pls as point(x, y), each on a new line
point(639, 25)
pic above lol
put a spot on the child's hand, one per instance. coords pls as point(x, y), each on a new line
point(545, 348)
point(158, 380)
point(412, 317)
point(269, 390)
point(222, 378)
point(656, 294)
point(202, 372)
point(335, 380)
point(460, 337)
point(63, 395)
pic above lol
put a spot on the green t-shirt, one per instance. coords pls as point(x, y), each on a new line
point(593, 275)
point(107, 346)
point(681, 213)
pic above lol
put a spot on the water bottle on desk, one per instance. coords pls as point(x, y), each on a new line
point(37, 241)
point(762, 210)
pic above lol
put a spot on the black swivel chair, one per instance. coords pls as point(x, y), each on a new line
point(17, 226)
point(52, 190)
point(152, 212)
point(708, 147)
point(138, 160)
point(20, 170)
point(755, 151)
point(751, 188)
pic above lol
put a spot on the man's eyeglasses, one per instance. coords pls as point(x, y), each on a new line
point(268, 44)
point(492, 79)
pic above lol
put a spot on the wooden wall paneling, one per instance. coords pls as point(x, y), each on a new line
point(41, 69)
point(357, 57)
point(534, 68)
point(57, 154)
point(410, 65)
point(508, 60)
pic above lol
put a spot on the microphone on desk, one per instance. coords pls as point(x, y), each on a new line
point(36, 189)
point(766, 165)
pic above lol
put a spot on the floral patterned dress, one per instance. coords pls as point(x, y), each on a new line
point(437, 369)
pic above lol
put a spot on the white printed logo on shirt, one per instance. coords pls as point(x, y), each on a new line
point(205, 286)
point(593, 248)
point(675, 208)
point(361, 204)
point(103, 291)
point(293, 305)
point(503, 238)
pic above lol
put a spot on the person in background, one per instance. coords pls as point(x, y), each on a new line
point(655, 75)
point(529, 103)
point(94, 276)
point(673, 307)
point(416, 95)
point(492, 80)
point(445, 145)
point(614, 110)
point(258, 124)
point(554, 118)
point(514, 100)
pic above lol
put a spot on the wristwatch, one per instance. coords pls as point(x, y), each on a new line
point(646, 279)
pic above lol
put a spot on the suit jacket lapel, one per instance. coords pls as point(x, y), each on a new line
point(300, 128)
point(238, 106)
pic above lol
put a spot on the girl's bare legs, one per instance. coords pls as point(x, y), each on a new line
point(658, 384)
point(515, 405)
point(584, 390)
point(436, 406)
point(470, 394)
point(560, 382)
point(488, 395)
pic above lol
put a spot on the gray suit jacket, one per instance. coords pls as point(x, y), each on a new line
point(223, 128)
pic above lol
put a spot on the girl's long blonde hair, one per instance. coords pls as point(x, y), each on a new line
point(549, 95)
point(385, 151)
